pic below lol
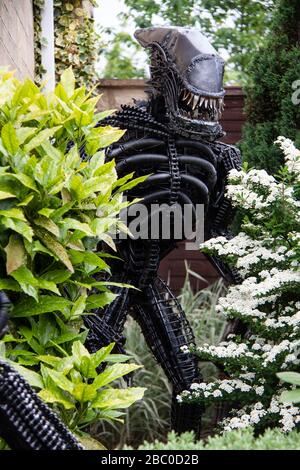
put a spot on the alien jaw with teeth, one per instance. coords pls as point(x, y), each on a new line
point(187, 77)
point(200, 107)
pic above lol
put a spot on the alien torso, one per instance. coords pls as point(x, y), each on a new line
point(174, 138)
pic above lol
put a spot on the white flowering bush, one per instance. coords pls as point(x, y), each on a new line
point(267, 255)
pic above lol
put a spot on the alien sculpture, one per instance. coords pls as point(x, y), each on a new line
point(173, 137)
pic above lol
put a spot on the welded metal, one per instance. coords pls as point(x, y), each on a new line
point(172, 136)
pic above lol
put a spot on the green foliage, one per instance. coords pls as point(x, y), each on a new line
point(83, 395)
point(147, 419)
point(272, 439)
point(55, 208)
point(77, 43)
point(120, 58)
point(269, 106)
point(290, 396)
point(237, 26)
point(39, 41)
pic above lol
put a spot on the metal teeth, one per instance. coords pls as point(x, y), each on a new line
point(202, 105)
point(190, 98)
point(195, 101)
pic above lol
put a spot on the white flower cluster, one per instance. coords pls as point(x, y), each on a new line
point(246, 253)
point(222, 388)
point(244, 419)
point(267, 255)
point(254, 190)
point(248, 298)
point(284, 322)
point(286, 416)
point(291, 154)
point(255, 352)
point(258, 191)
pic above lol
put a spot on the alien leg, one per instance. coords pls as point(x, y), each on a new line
point(166, 330)
point(106, 325)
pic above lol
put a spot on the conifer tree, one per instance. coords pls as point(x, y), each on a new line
point(273, 101)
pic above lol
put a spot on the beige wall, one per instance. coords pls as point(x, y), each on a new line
point(116, 92)
point(16, 36)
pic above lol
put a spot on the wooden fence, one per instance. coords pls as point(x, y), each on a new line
point(117, 92)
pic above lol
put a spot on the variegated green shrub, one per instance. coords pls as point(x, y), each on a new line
point(55, 208)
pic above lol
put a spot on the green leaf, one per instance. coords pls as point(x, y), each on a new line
point(96, 184)
point(40, 138)
point(33, 378)
point(26, 280)
point(67, 80)
point(9, 284)
point(56, 275)
point(25, 180)
point(102, 225)
point(58, 213)
point(290, 396)
point(54, 246)
point(9, 138)
point(6, 195)
point(46, 304)
point(114, 372)
point(95, 301)
point(78, 351)
point(84, 392)
point(289, 377)
point(47, 224)
point(105, 136)
point(24, 132)
point(61, 380)
point(131, 184)
point(118, 358)
point(15, 253)
point(56, 396)
point(104, 114)
point(53, 361)
point(100, 355)
point(82, 360)
point(13, 213)
point(83, 118)
point(78, 257)
point(26, 201)
point(78, 307)
point(18, 226)
point(118, 398)
point(74, 224)
point(46, 211)
point(123, 180)
point(37, 247)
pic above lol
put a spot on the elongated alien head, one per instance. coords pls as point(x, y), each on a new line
point(187, 78)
